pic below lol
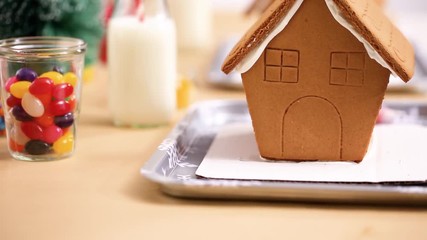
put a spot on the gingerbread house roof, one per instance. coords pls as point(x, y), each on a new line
point(364, 19)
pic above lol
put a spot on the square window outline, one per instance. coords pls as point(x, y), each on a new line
point(282, 65)
point(341, 66)
point(337, 83)
point(273, 67)
point(296, 65)
point(347, 69)
point(362, 68)
point(273, 50)
point(362, 81)
point(283, 74)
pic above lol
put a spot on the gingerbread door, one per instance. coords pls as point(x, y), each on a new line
point(312, 129)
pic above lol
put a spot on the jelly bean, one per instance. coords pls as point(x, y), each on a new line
point(60, 107)
point(12, 101)
point(26, 74)
point(64, 121)
point(56, 77)
point(71, 78)
point(46, 99)
point(32, 105)
point(72, 101)
point(58, 69)
point(9, 82)
point(66, 130)
point(45, 120)
point(2, 124)
point(62, 90)
point(37, 147)
point(41, 85)
point(19, 113)
point(14, 146)
point(17, 135)
point(51, 134)
point(64, 144)
point(18, 89)
point(32, 130)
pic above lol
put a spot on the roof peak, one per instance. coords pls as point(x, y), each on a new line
point(363, 18)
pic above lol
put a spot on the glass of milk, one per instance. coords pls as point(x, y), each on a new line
point(193, 20)
point(142, 66)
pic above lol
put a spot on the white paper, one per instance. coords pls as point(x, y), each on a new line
point(397, 153)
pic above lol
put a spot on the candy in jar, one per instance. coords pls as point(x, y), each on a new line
point(2, 124)
point(41, 98)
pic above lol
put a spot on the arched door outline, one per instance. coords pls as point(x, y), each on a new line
point(318, 97)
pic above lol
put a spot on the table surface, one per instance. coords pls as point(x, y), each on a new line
point(99, 193)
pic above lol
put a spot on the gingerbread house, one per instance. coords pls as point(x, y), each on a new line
point(315, 74)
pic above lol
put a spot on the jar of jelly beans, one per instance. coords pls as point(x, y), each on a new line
point(41, 88)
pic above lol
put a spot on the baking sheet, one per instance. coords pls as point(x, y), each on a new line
point(174, 164)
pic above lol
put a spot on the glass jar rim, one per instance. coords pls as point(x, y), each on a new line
point(41, 47)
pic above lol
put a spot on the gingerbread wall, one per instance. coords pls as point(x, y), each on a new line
point(314, 93)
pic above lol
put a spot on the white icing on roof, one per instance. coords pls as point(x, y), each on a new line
point(253, 56)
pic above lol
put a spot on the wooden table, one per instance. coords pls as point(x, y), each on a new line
point(99, 193)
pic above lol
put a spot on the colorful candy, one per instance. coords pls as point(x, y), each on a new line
point(37, 147)
point(70, 78)
point(60, 107)
point(56, 77)
point(46, 120)
point(72, 101)
point(26, 74)
point(64, 121)
point(12, 101)
point(41, 86)
point(58, 69)
point(20, 114)
point(9, 83)
point(32, 105)
point(42, 110)
point(2, 123)
point(19, 88)
point(64, 144)
point(51, 134)
point(32, 130)
point(62, 91)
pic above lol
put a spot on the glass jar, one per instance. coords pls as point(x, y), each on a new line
point(41, 88)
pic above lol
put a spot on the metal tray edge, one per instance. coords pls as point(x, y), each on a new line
point(289, 191)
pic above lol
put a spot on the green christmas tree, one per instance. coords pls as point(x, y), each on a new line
point(72, 18)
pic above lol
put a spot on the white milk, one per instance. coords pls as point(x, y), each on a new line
point(142, 70)
point(193, 20)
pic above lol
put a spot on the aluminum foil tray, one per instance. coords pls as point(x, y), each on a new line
point(175, 162)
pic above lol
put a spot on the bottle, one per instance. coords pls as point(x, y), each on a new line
point(141, 50)
point(193, 19)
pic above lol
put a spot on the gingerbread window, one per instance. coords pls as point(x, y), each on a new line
point(347, 69)
point(281, 65)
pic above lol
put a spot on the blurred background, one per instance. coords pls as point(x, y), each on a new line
point(206, 30)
